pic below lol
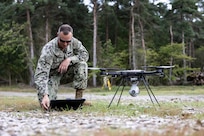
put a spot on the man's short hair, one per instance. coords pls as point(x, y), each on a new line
point(65, 28)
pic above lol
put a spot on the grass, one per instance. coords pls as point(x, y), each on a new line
point(18, 104)
point(99, 108)
point(171, 131)
point(18, 88)
point(65, 88)
point(158, 90)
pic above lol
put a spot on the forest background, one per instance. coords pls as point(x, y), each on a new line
point(124, 34)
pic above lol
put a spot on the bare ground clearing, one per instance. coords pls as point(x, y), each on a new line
point(78, 123)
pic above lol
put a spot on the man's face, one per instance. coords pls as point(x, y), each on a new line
point(64, 40)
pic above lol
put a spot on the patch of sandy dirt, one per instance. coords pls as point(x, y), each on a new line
point(40, 123)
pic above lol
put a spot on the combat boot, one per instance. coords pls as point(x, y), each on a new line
point(79, 95)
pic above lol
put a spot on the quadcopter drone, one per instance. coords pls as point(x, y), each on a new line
point(134, 77)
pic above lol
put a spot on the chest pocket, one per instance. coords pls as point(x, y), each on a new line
point(69, 51)
point(58, 58)
point(68, 54)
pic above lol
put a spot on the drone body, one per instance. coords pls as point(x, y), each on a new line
point(158, 71)
point(134, 76)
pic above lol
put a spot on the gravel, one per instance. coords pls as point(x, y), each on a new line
point(77, 123)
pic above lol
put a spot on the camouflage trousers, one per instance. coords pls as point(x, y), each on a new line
point(77, 74)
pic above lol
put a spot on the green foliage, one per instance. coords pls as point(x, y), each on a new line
point(199, 62)
point(163, 57)
point(168, 51)
point(152, 58)
point(111, 58)
point(12, 50)
point(114, 24)
point(165, 53)
point(184, 13)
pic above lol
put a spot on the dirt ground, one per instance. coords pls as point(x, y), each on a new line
point(40, 123)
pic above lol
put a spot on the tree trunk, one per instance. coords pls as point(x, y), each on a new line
point(31, 56)
point(171, 59)
point(107, 30)
point(133, 39)
point(184, 60)
point(130, 39)
point(171, 34)
point(9, 74)
point(94, 39)
point(190, 51)
point(143, 41)
point(47, 30)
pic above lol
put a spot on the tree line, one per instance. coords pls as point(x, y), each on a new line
point(125, 34)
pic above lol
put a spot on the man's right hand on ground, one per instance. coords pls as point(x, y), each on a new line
point(45, 102)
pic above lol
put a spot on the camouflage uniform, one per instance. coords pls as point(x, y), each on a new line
point(47, 78)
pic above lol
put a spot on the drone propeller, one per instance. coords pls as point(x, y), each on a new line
point(94, 68)
point(159, 67)
point(106, 80)
point(101, 69)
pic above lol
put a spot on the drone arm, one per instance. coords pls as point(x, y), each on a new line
point(158, 72)
point(111, 73)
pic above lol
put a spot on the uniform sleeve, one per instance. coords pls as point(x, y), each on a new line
point(80, 53)
point(42, 72)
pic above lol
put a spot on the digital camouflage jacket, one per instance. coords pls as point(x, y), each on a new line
point(52, 56)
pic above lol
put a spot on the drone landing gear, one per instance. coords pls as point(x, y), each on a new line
point(125, 79)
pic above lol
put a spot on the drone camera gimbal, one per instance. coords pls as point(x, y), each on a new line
point(134, 90)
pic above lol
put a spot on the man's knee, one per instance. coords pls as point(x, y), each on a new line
point(81, 70)
point(82, 65)
point(81, 76)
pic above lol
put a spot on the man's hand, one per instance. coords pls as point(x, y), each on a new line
point(64, 66)
point(45, 102)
